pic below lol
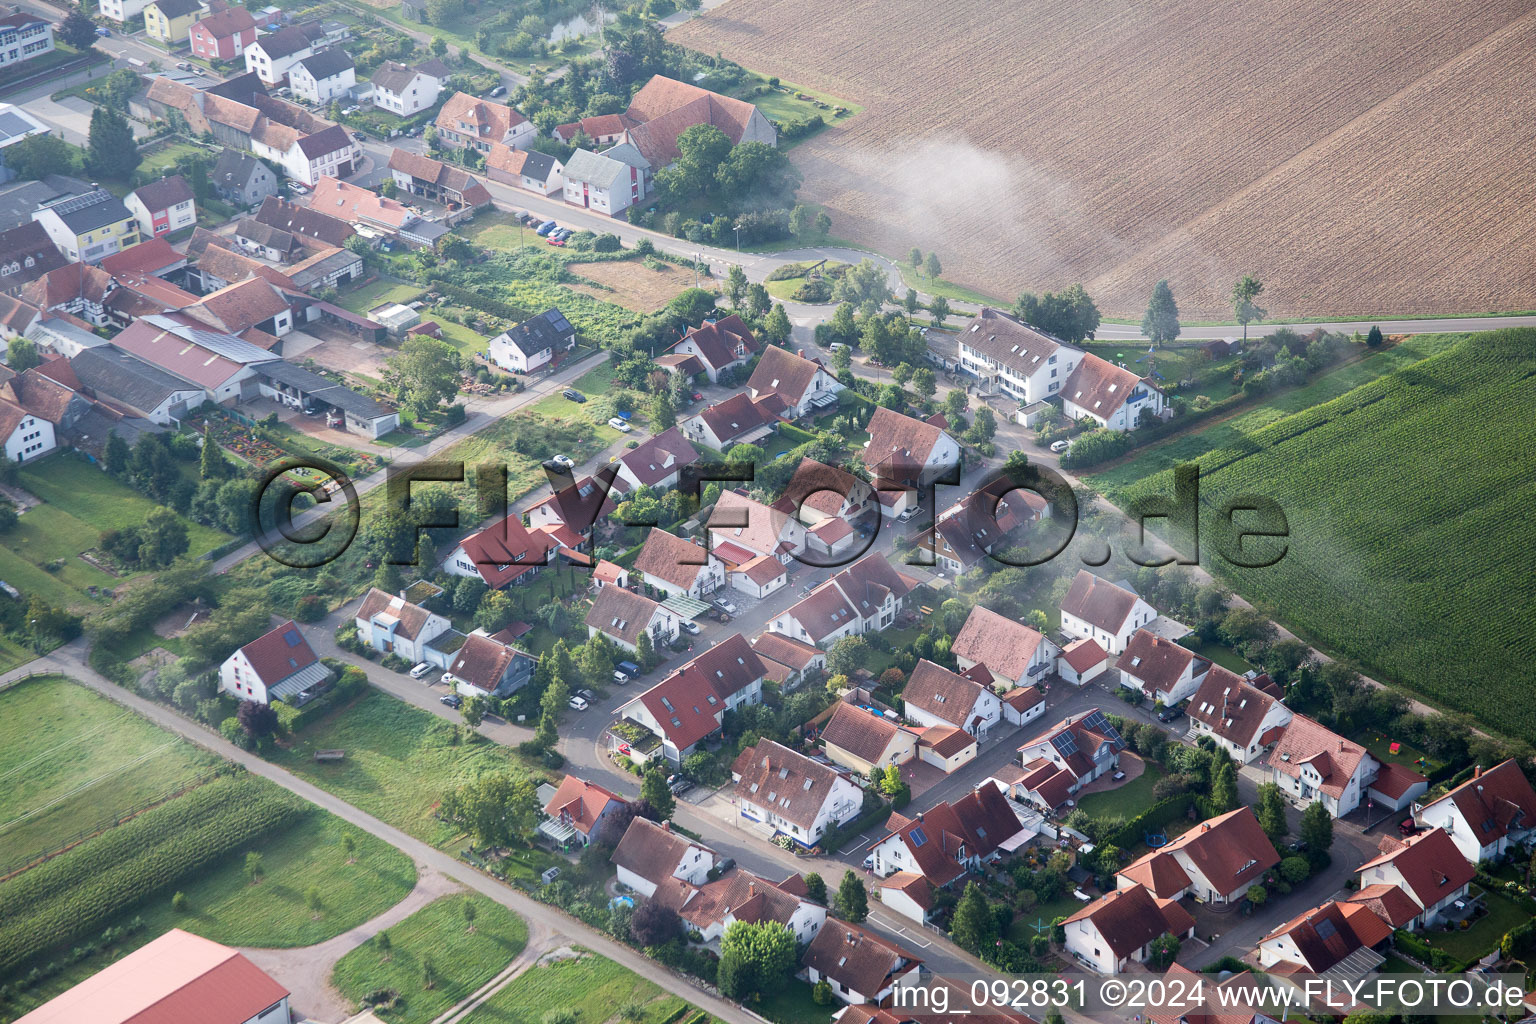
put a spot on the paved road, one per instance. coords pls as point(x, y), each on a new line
point(70, 661)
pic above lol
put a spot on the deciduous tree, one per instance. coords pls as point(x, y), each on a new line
point(1245, 307)
point(654, 791)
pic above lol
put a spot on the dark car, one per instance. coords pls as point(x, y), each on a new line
point(572, 395)
point(1168, 714)
point(359, 136)
point(453, 700)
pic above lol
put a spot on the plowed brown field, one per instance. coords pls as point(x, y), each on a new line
point(1362, 157)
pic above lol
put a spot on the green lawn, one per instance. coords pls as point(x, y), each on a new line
point(1022, 928)
point(1484, 934)
point(80, 503)
point(1125, 801)
point(71, 761)
point(593, 987)
point(1222, 655)
point(497, 231)
point(464, 960)
point(460, 337)
point(791, 1003)
point(400, 760)
point(164, 158)
point(1379, 745)
point(378, 292)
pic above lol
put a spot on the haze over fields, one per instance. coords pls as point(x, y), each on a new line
point(1370, 157)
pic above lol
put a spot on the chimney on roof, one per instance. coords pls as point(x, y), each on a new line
point(1477, 772)
point(752, 888)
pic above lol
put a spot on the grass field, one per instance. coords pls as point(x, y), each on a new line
point(791, 1003)
point(399, 762)
point(80, 502)
point(71, 760)
point(1484, 934)
point(632, 284)
point(464, 960)
point(1126, 801)
point(593, 987)
point(1352, 115)
point(1405, 499)
point(378, 292)
point(165, 157)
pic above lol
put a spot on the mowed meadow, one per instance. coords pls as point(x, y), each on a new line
point(1408, 501)
point(1364, 158)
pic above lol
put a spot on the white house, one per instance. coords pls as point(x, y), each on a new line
point(272, 56)
point(393, 625)
point(329, 153)
point(1323, 938)
point(324, 76)
point(1488, 815)
point(530, 345)
point(1240, 717)
point(1012, 652)
point(677, 566)
point(278, 665)
point(715, 347)
point(651, 855)
point(121, 10)
point(935, 696)
point(1110, 395)
point(1010, 357)
point(860, 740)
point(657, 463)
point(739, 895)
point(1427, 867)
point(689, 706)
point(1159, 669)
point(1310, 762)
point(1215, 862)
point(405, 91)
point(1096, 609)
point(1066, 757)
point(163, 206)
point(26, 436)
point(803, 385)
point(609, 182)
point(905, 452)
point(741, 529)
point(791, 793)
point(864, 598)
point(739, 419)
point(1118, 928)
point(1081, 661)
point(859, 966)
point(624, 616)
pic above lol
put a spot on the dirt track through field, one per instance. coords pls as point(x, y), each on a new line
point(1361, 158)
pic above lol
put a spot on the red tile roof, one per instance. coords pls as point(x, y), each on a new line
point(856, 958)
point(653, 851)
point(1495, 802)
point(1325, 935)
point(1083, 654)
point(1022, 698)
point(412, 617)
point(864, 735)
point(1128, 919)
point(1006, 647)
point(941, 693)
point(945, 740)
point(690, 702)
point(1098, 602)
point(914, 885)
point(898, 445)
point(279, 653)
point(1388, 902)
point(621, 614)
point(148, 257)
point(1230, 850)
point(783, 373)
point(659, 457)
point(504, 551)
point(580, 803)
point(673, 559)
point(787, 651)
point(723, 342)
point(1306, 742)
point(1230, 707)
point(739, 416)
point(1430, 864)
point(1394, 780)
point(1100, 386)
point(859, 590)
point(789, 784)
point(1158, 663)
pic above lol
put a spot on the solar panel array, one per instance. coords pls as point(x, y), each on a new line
point(1099, 724)
point(1065, 743)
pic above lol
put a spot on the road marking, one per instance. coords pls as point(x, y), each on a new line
point(863, 842)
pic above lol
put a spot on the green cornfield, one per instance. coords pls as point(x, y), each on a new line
point(1409, 501)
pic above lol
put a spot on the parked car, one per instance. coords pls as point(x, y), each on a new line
point(690, 627)
point(558, 243)
point(909, 515)
point(1407, 827)
point(577, 703)
point(620, 678)
point(572, 395)
point(564, 460)
point(500, 90)
point(629, 668)
point(679, 785)
point(420, 670)
point(453, 700)
point(1060, 446)
point(725, 864)
point(182, 65)
point(103, 31)
point(545, 228)
point(587, 695)
point(1169, 714)
point(360, 137)
point(697, 396)
point(725, 605)
point(622, 426)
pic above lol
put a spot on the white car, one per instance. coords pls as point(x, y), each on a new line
point(725, 606)
point(909, 514)
point(622, 426)
point(420, 670)
point(578, 704)
point(565, 460)
point(1060, 446)
point(690, 627)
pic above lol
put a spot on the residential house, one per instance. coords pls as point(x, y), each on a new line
point(576, 505)
point(858, 965)
point(405, 91)
point(664, 108)
point(323, 76)
point(125, 382)
point(624, 616)
point(1241, 718)
point(255, 310)
point(304, 223)
point(482, 125)
point(442, 183)
point(305, 155)
point(223, 365)
point(1013, 652)
point(803, 385)
point(27, 434)
point(1428, 867)
point(949, 840)
point(178, 976)
point(486, 667)
point(163, 206)
point(758, 577)
point(272, 56)
point(26, 254)
point(532, 344)
point(904, 453)
point(89, 227)
point(526, 169)
point(1010, 357)
point(393, 625)
point(739, 895)
point(863, 598)
point(278, 665)
point(737, 420)
point(651, 857)
point(935, 696)
point(676, 566)
point(981, 523)
point(946, 747)
point(1310, 762)
point(170, 21)
point(1110, 395)
point(1022, 704)
point(860, 740)
point(741, 529)
point(16, 318)
point(242, 179)
point(792, 794)
point(1098, 610)
point(153, 257)
point(609, 574)
point(79, 289)
point(1160, 670)
point(601, 130)
point(23, 37)
point(1066, 757)
point(1118, 929)
point(1215, 862)
point(608, 182)
point(657, 463)
point(789, 662)
point(688, 706)
point(1333, 937)
point(502, 553)
point(584, 808)
point(716, 345)
point(121, 11)
point(1487, 816)
point(223, 35)
point(1396, 786)
point(818, 494)
point(363, 207)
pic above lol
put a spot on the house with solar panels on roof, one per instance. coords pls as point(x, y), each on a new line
point(1066, 757)
point(279, 665)
point(533, 343)
point(89, 227)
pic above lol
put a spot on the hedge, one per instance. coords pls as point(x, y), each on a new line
point(1134, 831)
point(478, 300)
point(74, 894)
